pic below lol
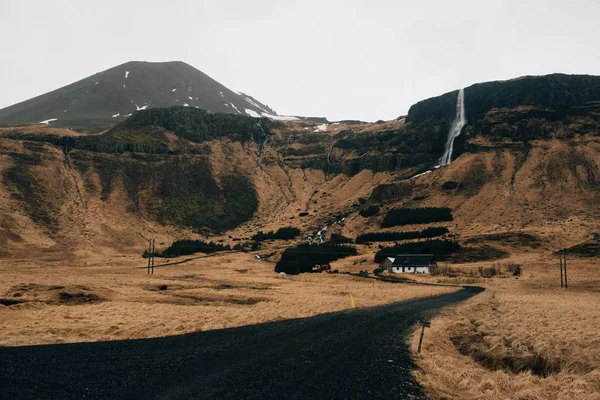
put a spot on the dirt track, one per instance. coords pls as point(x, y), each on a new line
point(352, 354)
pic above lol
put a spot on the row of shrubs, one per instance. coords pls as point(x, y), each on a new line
point(285, 233)
point(337, 238)
point(394, 236)
point(369, 211)
point(304, 257)
point(442, 248)
point(408, 216)
point(186, 247)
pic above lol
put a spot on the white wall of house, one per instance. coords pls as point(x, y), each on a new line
point(410, 270)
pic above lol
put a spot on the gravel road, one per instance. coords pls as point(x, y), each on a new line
point(353, 354)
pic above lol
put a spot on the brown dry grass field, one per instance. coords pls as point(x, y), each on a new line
point(113, 298)
point(520, 339)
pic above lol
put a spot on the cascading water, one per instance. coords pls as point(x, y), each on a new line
point(455, 129)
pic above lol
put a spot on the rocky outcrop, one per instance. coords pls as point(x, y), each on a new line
point(195, 125)
point(557, 92)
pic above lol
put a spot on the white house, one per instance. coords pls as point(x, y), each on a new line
point(409, 264)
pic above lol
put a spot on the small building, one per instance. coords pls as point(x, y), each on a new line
point(387, 263)
point(409, 264)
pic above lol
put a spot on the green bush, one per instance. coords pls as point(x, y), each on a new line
point(337, 238)
point(407, 216)
point(304, 257)
point(369, 211)
point(186, 247)
point(285, 233)
point(393, 236)
point(441, 248)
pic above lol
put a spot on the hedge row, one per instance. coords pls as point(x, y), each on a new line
point(441, 248)
point(337, 238)
point(394, 236)
point(285, 233)
point(369, 211)
point(408, 216)
point(304, 257)
point(186, 247)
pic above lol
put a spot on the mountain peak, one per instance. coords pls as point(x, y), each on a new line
point(106, 98)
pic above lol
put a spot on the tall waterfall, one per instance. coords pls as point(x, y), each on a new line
point(457, 125)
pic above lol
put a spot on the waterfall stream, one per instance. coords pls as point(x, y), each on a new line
point(457, 125)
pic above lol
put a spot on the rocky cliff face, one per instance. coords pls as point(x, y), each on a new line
point(558, 92)
point(521, 110)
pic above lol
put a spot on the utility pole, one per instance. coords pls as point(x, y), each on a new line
point(149, 253)
point(562, 284)
point(565, 266)
point(153, 251)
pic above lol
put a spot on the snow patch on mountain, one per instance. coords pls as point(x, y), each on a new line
point(280, 117)
point(126, 74)
point(47, 121)
point(321, 128)
point(173, 90)
point(250, 101)
point(235, 108)
point(252, 113)
point(116, 115)
point(426, 172)
point(141, 108)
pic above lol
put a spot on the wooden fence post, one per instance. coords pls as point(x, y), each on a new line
point(425, 324)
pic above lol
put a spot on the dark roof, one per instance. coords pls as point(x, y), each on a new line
point(414, 260)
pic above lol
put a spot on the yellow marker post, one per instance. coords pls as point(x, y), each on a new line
point(352, 302)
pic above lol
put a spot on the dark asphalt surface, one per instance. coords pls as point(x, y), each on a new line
point(341, 355)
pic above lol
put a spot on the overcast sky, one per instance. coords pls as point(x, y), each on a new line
point(343, 59)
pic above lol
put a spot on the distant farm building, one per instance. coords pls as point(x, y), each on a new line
point(409, 264)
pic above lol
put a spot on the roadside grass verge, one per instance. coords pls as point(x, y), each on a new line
point(518, 340)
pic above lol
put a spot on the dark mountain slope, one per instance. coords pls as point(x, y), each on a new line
point(107, 98)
